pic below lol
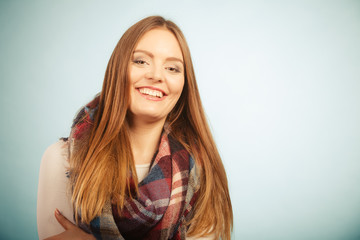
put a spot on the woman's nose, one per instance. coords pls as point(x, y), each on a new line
point(155, 73)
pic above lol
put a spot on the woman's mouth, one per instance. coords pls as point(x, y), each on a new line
point(151, 92)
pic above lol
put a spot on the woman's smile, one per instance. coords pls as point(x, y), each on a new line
point(152, 93)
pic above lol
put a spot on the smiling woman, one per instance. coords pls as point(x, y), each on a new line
point(140, 161)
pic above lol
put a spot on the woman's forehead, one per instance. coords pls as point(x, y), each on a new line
point(160, 41)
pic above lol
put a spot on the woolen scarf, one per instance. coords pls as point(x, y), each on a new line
point(166, 195)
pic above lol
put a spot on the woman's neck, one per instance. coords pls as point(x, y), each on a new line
point(144, 140)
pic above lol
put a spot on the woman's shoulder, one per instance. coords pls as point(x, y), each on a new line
point(55, 157)
point(56, 149)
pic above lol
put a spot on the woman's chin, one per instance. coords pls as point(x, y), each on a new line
point(148, 117)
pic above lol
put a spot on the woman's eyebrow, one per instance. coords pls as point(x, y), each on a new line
point(144, 51)
point(151, 55)
point(174, 59)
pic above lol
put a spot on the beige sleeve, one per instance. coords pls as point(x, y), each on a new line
point(53, 190)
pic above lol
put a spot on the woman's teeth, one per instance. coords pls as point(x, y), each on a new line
point(151, 92)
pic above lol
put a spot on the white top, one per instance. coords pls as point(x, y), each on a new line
point(53, 190)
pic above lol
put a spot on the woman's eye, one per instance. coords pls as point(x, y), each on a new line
point(173, 69)
point(139, 61)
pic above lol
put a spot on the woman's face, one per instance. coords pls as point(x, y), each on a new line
point(156, 74)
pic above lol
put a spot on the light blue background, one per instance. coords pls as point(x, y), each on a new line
point(280, 82)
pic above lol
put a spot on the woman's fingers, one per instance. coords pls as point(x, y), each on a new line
point(63, 220)
point(72, 232)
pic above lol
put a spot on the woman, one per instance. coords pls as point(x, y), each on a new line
point(142, 160)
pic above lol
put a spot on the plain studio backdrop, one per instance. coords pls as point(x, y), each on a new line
point(280, 82)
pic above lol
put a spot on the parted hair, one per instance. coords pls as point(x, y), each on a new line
point(101, 161)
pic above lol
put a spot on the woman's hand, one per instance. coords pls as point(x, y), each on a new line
point(71, 230)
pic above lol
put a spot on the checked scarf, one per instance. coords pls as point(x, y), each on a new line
point(166, 195)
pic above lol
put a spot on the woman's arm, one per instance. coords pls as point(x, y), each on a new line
point(53, 191)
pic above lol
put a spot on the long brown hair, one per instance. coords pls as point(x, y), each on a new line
point(102, 161)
